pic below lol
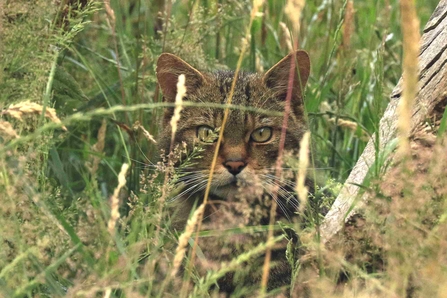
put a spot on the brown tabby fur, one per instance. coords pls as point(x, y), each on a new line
point(236, 200)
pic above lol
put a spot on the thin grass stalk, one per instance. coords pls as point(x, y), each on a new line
point(348, 27)
point(87, 116)
point(301, 188)
point(256, 5)
point(112, 24)
point(99, 147)
point(125, 108)
point(400, 268)
point(49, 87)
point(183, 239)
point(240, 260)
point(168, 11)
point(1, 24)
point(146, 134)
point(114, 199)
point(182, 247)
point(190, 16)
point(181, 92)
point(293, 11)
point(218, 35)
point(111, 20)
point(411, 39)
point(278, 166)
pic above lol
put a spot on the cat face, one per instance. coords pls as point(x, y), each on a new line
point(251, 139)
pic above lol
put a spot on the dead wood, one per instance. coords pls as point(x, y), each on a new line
point(430, 102)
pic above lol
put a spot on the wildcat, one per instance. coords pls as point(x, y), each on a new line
point(240, 193)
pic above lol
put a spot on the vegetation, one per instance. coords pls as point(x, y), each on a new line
point(79, 99)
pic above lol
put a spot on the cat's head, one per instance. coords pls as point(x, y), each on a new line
point(251, 139)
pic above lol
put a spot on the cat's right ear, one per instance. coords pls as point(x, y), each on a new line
point(277, 77)
point(169, 68)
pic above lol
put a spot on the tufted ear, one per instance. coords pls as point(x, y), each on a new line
point(169, 68)
point(277, 77)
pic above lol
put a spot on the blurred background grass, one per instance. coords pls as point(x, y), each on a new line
point(72, 56)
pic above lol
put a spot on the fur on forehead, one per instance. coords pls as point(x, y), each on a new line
point(277, 78)
point(266, 91)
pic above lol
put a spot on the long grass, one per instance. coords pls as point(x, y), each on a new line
point(93, 64)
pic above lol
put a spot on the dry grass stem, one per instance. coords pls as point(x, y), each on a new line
point(278, 171)
point(1, 23)
point(6, 130)
point(411, 38)
point(348, 25)
point(181, 92)
point(301, 188)
point(293, 11)
point(51, 180)
point(213, 277)
point(256, 5)
point(19, 110)
point(110, 12)
point(146, 134)
point(351, 125)
point(99, 146)
point(183, 240)
point(114, 199)
point(112, 24)
point(107, 293)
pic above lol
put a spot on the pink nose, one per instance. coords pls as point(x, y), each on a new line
point(235, 166)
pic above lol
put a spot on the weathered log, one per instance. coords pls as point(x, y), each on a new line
point(432, 95)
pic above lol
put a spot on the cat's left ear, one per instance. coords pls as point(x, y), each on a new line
point(277, 77)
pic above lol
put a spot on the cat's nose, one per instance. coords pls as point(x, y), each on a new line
point(235, 166)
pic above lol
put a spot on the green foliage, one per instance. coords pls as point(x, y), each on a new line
point(65, 55)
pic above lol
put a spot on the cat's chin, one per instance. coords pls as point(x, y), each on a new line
point(229, 187)
point(226, 191)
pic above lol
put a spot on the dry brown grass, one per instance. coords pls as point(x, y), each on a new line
point(181, 92)
point(55, 237)
point(20, 110)
point(7, 131)
point(301, 189)
point(411, 45)
point(115, 200)
point(184, 238)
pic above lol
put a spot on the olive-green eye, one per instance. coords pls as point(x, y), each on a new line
point(261, 135)
point(206, 134)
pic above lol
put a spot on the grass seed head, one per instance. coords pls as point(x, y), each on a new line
point(22, 109)
point(146, 134)
point(183, 240)
point(293, 11)
point(99, 146)
point(114, 199)
point(181, 92)
point(301, 189)
point(6, 130)
point(286, 36)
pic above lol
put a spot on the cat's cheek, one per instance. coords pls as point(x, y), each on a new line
point(266, 155)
